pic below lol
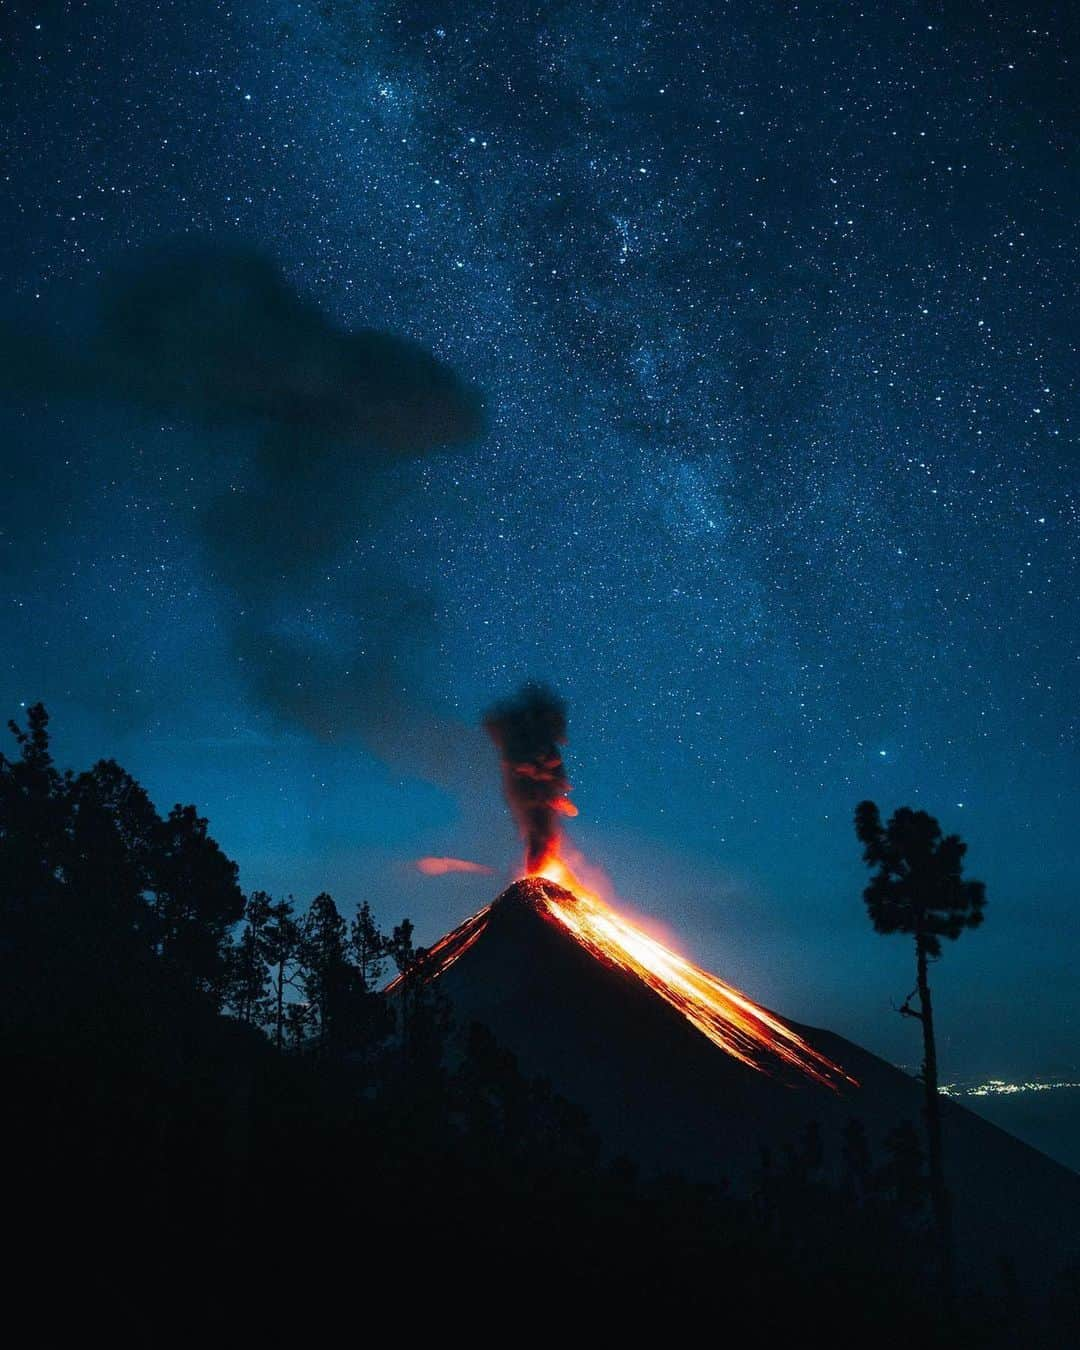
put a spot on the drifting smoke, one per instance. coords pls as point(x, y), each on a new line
point(218, 336)
point(528, 730)
point(440, 867)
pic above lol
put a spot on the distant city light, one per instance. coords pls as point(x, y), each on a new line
point(998, 1087)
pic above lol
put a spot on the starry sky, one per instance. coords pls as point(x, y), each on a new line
point(770, 309)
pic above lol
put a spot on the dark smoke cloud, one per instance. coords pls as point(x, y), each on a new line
point(218, 336)
point(220, 332)
point(528, 730)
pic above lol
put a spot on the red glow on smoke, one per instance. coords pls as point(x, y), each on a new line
point(439, 867)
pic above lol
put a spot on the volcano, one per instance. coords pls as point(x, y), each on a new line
point(684, 1075)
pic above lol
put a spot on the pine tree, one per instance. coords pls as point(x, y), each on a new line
point(297, 1024)
point(329, 979)
point(280, 946)
point(918, 888)
point(249, 976)
point(404, 955)
point(196, 900)
point(32, 819)
point(369, 947)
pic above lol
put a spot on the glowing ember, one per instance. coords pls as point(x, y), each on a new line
point(439, 867)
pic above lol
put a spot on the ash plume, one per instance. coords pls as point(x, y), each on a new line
point(308, 417)
point(527, 730)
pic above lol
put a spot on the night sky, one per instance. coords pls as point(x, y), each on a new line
point(771, 311)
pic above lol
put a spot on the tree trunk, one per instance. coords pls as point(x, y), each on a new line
point(280, 1005)
point(939, 1196)
point(406, 982)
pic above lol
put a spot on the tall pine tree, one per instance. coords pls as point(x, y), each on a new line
point(917, 887)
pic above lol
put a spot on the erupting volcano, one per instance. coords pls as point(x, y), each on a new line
point(677, 1070)
point(740, 1027)
point(528, 732)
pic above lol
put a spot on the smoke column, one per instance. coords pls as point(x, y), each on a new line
point(527, 731)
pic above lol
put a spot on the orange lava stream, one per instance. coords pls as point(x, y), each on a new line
point(440, 957)
point(729, 1019)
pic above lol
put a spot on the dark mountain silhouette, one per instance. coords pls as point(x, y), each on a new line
point(660, 1093)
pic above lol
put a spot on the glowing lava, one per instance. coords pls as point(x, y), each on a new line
point(438, 959)
point(728, 1018)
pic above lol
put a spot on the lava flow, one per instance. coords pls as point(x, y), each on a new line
point(528, 731)
point(730, 1020)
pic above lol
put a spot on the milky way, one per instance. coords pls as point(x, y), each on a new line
point(772, 315)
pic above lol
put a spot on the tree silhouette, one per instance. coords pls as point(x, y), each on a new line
point(110, 837)
point(279, 944)
point(296, 1023)
point(369, 948)
point(403, 953)
point(918, 888)
point(249, 977)
point(330, 981)
point(196, 901)
point(422, 1014)
point(32, 825)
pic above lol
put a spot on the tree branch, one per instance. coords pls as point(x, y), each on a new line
point(906, 1010)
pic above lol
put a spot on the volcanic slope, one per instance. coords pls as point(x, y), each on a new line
point(659, 1092)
